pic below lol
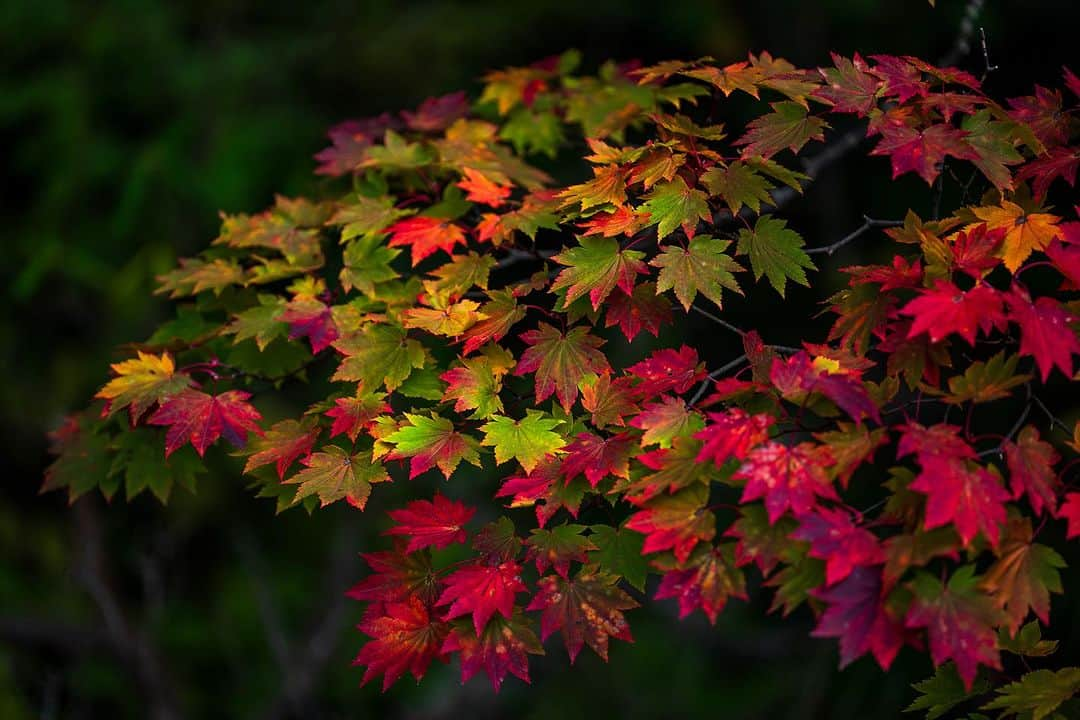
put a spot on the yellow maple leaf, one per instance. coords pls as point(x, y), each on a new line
point(141, 382)
point(1024, 232)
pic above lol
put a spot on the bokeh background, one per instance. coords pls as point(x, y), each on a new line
point(126, 125)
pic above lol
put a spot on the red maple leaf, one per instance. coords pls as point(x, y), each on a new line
point(437, 113)
point(947, 309)
point(675, 522)
point(597, 457)
point(641, 310)
point(856, 614)
point(396, 576)
point(971, 498)
point(834, 538)
point(282, 444)
point(1070, 510)
point(352, 415)
point(1045, 331)
point(922, 151)
point(901, 274)
point(902, 80)
point(425, 235)
point(349, 142)
point(502, 648)
point(1042, 112)
point(482, 590)
point(732, 434)
point(310, 318)
point(799, 375)
point(587, 609)
point(1066, 259)
point(711, 579)
point(668, 369)
point(789, 478)
point(620, 221)
point(1031, 470)
point(438, 522)
point(193, 415)
point(959, 621)
point(405, 638)
point(545, 483)
point(1059, 162)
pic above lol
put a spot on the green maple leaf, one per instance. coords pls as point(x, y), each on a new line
point(528, 440)
point(619, 553)
point(787, 126)
point(702, 267)
point(430, 442)
point(672, 204)
point(558, 547)
point(595, 267)
point(986, 381)
point(1039, 693)
point(143, 466)
point(775, 251)
point(397, 153)
point(738, 184)
point(366, 216)
point(944, 691)
point(260, 322)
point(367, 263)
point(460, 275)
point(376, 355)
point(334, 473)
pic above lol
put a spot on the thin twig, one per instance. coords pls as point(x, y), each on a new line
point(722, 323)
point(704, 386)
point(869, 223)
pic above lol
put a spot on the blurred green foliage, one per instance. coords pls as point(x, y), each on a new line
point(127, 125)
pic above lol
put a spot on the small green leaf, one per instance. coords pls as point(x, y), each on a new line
point(775, 251)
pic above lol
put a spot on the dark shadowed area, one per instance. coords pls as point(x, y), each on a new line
point(127, 125)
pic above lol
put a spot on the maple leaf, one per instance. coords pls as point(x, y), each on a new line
point(596, 267)
point(902, 80)
point(1059, 162)
point(666, 419)
point(971, 498)
point(607, 187)
point(702, 267)
point(560, 361)
point(447, 319)
point(194, 416)
point(500, 313)
point(397, 576)
point(378, 355)
point(668, 369)
point(789, 478)
point(597, 457)
point(194, 276)
point(619, 552)
point(834, 538)
point(431, 442)
point(141, 382)
point(425, 235)
point(644, 309)
point(851, 445)
point(856, 614)
point(587, 610)
point(1070, 510)
point(676, 467)
point(366, 265)
point(1066, 258)
point(608, 400)
point(798, 375)
point(959, 621)
point(503, 647)
point(986, 381)
point(334, 473)
point(482, 591)
point(558, 547)
point(1024, 575)
point(365, 217)
point(738, 184)
point(946, 309)
point(1042, 112)
point(674, 204)
point(1039, 693)
point(675, 522)
point(1045, 331)
point(711, 578)
point(775, 251)
point(850, 86)
point(923, 151)
point(544, 483)
point(283, 443)
point(1024, 232)
point(349, 141)
point(438, 522)
point(479, 188)
point(475, 384)
point(1031, 470)
point(358, 413)
point(760, 541)
point(310, 318)
point(259, 322)
point(405, 638)
point(528, 440)
point(732, 434)
point(787, 126)
point(620, 221)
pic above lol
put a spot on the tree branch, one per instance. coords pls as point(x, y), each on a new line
point(869, 223)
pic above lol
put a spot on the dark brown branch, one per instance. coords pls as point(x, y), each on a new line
point(868, 224)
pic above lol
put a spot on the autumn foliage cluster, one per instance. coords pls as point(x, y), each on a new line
point(450, 307)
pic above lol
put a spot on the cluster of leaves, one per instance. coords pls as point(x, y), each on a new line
point(482, 347)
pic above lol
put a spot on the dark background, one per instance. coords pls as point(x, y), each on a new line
point(125, 126)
